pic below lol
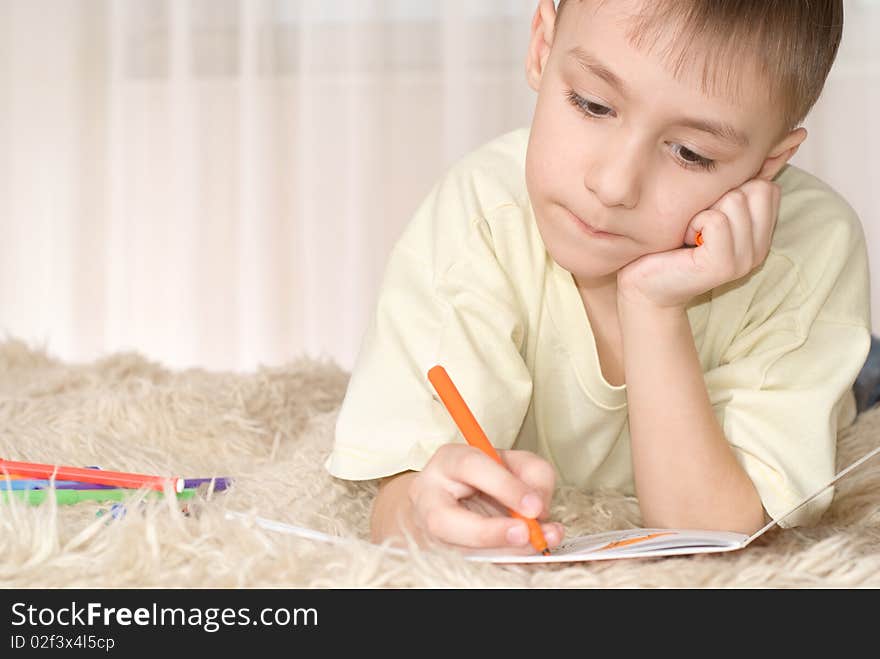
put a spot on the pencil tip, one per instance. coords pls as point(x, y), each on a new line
point(546, 551)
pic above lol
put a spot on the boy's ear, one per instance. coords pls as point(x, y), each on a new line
point(540, 42)
point(781, 153)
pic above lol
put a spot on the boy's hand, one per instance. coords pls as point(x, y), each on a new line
point(737, 231)
point(461, 498)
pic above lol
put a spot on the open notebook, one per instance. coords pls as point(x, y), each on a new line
point(628, 543)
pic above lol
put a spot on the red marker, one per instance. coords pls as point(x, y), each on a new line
point(96, 476)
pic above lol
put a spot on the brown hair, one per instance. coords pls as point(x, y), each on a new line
point(790, 42)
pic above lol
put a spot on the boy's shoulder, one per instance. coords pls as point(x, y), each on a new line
point(813, 219)
point(818, 257)
point(483, 191)
point(495, 170)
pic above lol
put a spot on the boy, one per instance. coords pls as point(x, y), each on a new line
point(557, 275)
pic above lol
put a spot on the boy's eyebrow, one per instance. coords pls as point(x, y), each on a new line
point(719, 129)
point(592, 65)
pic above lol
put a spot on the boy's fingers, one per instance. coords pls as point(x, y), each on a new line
point(445, 519)
point(479, 471)
point(694, 227)
point(764, 205)
point(535, 472)
point(735, 205)
point(553, 533)
point(699, 224)
point(454, 522)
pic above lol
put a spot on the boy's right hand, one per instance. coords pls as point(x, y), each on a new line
point(463, 498)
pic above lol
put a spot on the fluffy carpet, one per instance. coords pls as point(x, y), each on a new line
point(272, 429)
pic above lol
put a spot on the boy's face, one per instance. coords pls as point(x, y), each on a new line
point(635, 168)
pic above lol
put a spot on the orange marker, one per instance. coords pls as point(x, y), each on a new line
point(97, 476)
point(699, 238)
point(475, 436)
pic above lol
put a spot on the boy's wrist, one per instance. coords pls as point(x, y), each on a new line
point(631, 296)
point(392, 509)
point(634, 307)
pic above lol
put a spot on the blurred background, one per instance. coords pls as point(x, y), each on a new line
point(218, 183)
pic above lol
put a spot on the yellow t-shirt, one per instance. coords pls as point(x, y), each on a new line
point(470, 285)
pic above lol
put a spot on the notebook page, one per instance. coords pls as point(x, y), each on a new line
point(625, 543)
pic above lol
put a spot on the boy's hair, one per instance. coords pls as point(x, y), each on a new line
point(793, 44)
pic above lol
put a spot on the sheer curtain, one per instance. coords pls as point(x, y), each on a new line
point(218, 183)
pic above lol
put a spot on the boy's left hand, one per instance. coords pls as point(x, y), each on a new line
point(737, 231)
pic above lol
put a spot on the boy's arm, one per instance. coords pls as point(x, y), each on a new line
point(686, 474)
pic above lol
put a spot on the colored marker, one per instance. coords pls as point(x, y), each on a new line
point(68, 497)
point(220, 482)
point(42, 484)
point(97, 476)
point(474, 435)
point(17, 482)
point(22, 477)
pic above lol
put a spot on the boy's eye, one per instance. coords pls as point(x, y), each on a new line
point(589, 108)
point(596, 109)
point(687, 158)
point(691, 159)
point(684, 151)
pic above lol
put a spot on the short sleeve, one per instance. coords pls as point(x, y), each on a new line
point(783, 389)
point(459, 312)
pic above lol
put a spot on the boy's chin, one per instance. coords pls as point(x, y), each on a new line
point(583, 272)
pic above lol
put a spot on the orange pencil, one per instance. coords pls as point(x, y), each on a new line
point(97, 476)
point(699, 239)
point(475, 436)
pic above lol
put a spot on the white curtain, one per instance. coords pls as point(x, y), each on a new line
point(218, 183)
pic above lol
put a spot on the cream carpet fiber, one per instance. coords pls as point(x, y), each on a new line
point(271, 430)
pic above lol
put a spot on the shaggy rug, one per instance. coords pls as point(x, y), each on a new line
point(271, 430)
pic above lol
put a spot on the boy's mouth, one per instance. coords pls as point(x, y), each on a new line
point(589, 229)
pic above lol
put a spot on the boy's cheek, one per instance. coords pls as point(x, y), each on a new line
point(674, 214)
point(665, 238)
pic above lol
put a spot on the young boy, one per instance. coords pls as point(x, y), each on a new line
point(557, 275)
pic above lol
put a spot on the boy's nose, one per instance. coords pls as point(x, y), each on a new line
point(614, 176)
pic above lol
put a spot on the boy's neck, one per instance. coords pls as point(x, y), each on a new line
point(599, 294)
point(600, 304)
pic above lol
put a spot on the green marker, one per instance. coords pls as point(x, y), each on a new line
point(69, 497)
